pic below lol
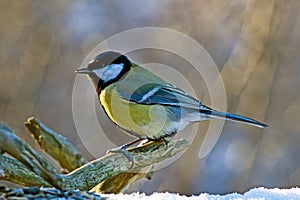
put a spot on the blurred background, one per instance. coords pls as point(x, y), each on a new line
point(255, 45)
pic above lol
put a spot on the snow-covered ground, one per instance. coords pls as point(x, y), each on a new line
point(253, 194)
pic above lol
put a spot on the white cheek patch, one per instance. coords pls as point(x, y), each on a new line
point(109, 72)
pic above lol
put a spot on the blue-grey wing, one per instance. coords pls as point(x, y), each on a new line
point(181, 104)
point(178, 102)
point(167, 95)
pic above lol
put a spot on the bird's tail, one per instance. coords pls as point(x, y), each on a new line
point(233, 117)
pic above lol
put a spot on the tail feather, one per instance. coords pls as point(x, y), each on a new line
point(233, 117)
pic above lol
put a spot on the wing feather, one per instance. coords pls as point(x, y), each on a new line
point(167, 95)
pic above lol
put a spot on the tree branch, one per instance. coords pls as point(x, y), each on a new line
point(55, 145)
point(16, 147)
point(111, 173)
point(14, 171)
point(91, 174)
point(120, 182)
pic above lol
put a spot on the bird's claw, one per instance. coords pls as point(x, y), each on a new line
point(123, 150)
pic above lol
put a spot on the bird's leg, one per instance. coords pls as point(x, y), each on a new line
point(122, 149)
point(165, 141)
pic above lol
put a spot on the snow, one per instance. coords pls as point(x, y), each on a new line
point(253, 194)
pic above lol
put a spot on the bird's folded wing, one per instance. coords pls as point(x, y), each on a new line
point(167, 95)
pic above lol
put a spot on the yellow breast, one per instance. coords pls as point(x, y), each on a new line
point(144, 120)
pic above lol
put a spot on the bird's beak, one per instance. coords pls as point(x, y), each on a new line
point(82, 71)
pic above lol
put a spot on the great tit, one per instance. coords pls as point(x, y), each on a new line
point(142, 103)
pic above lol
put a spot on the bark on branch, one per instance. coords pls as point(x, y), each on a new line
point(55, 145)
point(91, 174)
point(17, 148)
point(110, 173)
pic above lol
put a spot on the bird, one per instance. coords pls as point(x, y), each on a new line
point(143, 104)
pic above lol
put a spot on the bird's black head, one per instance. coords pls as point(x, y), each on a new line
point(106, 68)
